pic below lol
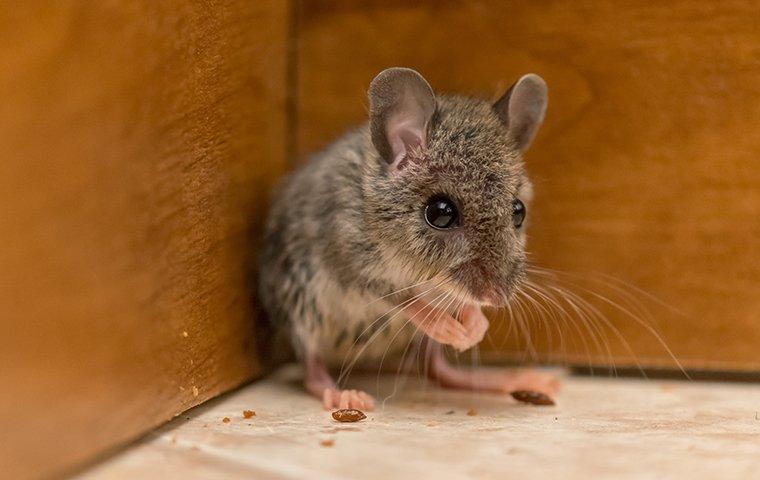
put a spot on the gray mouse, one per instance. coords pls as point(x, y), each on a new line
point(403, 229)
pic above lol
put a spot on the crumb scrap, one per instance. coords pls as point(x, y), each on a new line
point(433, 423)
point(450, 412)
point(534, 398)
point(327, 442)
point(248, 413)
point(226, 420)
point(184, 334)
point(472, 412)
point(348, 415)
point(195, 391)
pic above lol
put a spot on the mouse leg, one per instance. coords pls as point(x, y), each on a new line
point(320, 384)
point(484, 379)
point(481, 378)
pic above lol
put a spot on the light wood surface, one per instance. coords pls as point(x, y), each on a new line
point(600, 428)
point(646, 170)
point(138, 141)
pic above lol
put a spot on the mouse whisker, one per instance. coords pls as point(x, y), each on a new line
point(437, 301)
point(629, 306)
point(377, 331)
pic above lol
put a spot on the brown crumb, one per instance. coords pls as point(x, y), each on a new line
point(184, 334)
point(226, 420)
point(534, 398)
point(327, 442)
point(450, 412)
point(348, 415)
point(195, 391)
point(248, 413)
point(472, 412)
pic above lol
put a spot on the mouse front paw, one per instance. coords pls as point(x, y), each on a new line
point(475, 324)
point(440, 326)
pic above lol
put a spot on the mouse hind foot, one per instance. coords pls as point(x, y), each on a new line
point(320, 384)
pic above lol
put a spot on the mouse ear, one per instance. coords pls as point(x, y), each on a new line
point(401, 104)
point(522, 109)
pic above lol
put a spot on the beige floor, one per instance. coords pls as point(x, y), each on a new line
point(601, 428)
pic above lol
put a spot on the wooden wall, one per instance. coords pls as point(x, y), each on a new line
point(138, 142)
point(647, 168)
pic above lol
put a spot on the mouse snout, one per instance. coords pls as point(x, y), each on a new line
point(488, 286)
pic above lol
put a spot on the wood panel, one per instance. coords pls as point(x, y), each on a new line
point(138, 141)
point(646, 169)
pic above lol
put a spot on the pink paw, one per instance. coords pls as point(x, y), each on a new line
point(462, 333)
point(448, 331)
point(335, 398)
point(475, 324)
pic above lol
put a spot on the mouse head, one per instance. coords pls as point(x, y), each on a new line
point(449, 197)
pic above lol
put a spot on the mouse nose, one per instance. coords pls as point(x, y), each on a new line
point(479, 281)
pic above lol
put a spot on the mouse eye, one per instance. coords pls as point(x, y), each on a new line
point(518, 213)
point(441, 213)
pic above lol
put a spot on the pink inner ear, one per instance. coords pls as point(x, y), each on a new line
point(404, 134)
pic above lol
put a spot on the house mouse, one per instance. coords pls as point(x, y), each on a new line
point(404, 228)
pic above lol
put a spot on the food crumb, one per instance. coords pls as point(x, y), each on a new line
point(348, 415)
point(195, 391)
point(533, 398)
point(433, 423)
point(450, 412)
point(472, 412)
point(184, 334)
point(248, 413)
point(226, 420)
point(327, 442)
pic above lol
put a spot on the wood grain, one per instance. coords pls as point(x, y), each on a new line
point(646, 169)
point(138, 141)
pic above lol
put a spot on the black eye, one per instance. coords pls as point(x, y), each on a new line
point(518, 213)
point(441, 213)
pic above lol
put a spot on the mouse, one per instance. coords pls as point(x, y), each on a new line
point(402, 230)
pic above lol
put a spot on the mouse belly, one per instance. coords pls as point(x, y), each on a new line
point(364, 331)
